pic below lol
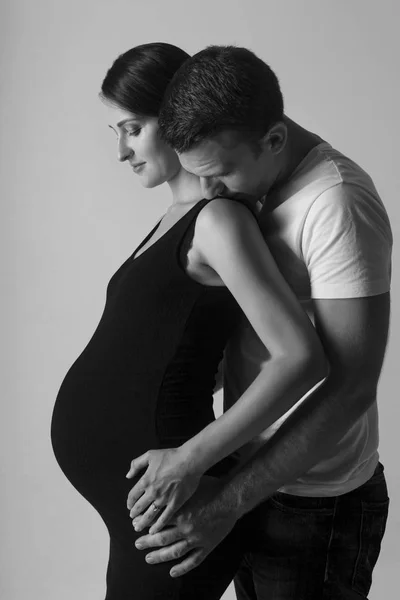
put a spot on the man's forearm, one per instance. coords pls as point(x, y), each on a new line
point(308, 436)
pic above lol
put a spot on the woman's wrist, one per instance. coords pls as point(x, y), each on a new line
point(194, 458)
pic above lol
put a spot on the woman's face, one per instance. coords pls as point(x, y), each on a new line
point(140, 145)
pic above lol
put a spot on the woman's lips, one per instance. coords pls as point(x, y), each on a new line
point(138, 166)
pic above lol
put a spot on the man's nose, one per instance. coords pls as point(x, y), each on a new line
point(124, 152)
point(210, 187)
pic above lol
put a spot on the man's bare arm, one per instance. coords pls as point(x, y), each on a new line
point(354, 334)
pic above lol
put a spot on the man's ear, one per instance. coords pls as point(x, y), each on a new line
point(276, 137)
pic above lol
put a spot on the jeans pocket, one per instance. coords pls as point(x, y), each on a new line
point(373, 523)
point(288, 503)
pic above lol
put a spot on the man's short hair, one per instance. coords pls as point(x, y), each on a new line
point(220, 88)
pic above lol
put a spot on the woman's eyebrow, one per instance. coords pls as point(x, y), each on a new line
point(124, 121)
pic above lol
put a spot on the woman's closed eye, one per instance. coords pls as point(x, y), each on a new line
point(133, 132)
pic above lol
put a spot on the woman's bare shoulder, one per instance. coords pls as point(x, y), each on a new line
point(221, 214)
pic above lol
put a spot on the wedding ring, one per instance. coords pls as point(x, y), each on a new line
point(155, 507)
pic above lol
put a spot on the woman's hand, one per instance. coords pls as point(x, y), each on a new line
point(169, 481)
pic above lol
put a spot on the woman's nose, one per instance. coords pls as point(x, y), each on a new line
point(124, 152)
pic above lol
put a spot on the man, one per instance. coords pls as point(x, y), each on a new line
point(312, 494)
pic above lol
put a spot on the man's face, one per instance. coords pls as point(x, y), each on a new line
point(231, 168)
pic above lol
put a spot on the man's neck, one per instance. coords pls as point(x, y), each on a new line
point(299, 143)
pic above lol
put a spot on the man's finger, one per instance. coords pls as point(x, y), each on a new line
point(168, 553)
point(194, 560)
point(137, 464)
point(164, 538)
point(163, 519)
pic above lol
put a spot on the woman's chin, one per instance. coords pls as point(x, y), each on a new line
point(149, 183)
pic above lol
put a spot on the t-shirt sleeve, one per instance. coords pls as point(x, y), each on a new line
point(347, 243)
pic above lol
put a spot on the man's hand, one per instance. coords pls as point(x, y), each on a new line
point(198, 527)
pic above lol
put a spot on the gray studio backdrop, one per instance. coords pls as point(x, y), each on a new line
point(71, 215)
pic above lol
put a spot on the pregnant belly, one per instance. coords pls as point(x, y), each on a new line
point(99, 425)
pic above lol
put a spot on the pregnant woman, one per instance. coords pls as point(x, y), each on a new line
point(146, 378)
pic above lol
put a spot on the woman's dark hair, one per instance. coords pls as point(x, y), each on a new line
point(220, 88)
point(137, 79)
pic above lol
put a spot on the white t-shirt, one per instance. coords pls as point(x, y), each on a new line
point(331, 238)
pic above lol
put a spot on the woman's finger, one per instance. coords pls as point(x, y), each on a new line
point(138, 464)
point(146, 519)
point(163, 518)
point(136, 492)
point(141, 505)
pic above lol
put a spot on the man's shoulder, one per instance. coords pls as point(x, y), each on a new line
point(332, 182)
point(328, 168)
point(348, 171)
point(324, 175)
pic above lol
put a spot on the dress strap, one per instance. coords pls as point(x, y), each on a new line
point(146, 239)
point(187, 233)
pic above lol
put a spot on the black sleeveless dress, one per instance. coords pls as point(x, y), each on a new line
point(144, 381)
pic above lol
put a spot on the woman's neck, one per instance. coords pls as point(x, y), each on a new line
point(185, 188)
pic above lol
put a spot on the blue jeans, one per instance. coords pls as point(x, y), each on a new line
point(303, 548)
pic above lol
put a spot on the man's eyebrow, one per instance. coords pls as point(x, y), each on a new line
point(218, 172)
point(222, 171)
